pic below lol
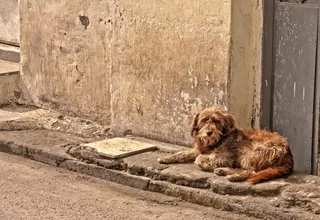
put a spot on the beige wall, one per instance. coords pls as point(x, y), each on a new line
point(9, 21)
point(66, 65)
point(170, 59)
point(245, 75)
point(142, 66)
point(8, 86)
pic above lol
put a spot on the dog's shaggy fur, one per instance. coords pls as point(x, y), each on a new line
point(220, 147)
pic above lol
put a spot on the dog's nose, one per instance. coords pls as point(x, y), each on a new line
point(209, 133)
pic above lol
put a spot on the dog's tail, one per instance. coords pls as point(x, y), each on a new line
point(283, 170)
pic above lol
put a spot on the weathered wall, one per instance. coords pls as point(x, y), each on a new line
point(12, 90)
point(9, 21)
point(143, 66)
point(245, 75)
point(8, 86)
point(169, 59)
point(65, 56)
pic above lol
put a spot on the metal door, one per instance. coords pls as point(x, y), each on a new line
point(295, 77)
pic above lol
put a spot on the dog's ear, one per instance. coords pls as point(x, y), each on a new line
point(228, 124)
point(194, 125)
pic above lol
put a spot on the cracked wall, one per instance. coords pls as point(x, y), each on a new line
point(65, 56)
point(170, 60)
point(145, 67)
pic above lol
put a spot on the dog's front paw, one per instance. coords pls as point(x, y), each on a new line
point(204, 163)
point(220, 171)
point(234, 177)
point(162, 160)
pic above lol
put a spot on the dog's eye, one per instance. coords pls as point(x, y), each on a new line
point(204, 120)
point(215, 121)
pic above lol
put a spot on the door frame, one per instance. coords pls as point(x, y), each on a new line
point(267, 79)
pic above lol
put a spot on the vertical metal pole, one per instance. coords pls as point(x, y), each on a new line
point(315, 150)
point(267, 64)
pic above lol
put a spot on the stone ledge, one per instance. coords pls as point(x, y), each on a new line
point(281, 199)
point(120, 177)
point(9, 53)
point(36, 119)
point(306, 196)
point(7, 67)
point(41, 145)
point(55, 147)
point(31, 153)
point(257, 207)
point(271, 188)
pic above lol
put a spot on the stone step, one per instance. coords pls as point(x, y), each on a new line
point(9, 82)
point(12, 87)
point(8, 67)
point(297, 199)
point(59, 140)
point(9, 53)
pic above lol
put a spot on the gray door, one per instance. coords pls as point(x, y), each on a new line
point(295, 68)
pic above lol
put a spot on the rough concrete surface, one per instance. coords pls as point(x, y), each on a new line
point(251, 206)
point(47, 146)
point(34, 191)
point(279, 199)
point(307, 197)
point(32, 118)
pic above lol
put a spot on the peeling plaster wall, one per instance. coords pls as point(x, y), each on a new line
point(65, 56)
point(170, 59)
point(245, 75)
point(145, 67)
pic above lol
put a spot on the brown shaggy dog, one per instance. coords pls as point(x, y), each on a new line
point(220, 147)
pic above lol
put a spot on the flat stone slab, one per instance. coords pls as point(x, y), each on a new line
point(120, 147)
point(9, 116)
point(145, 164)
point(187, 174)
point(7, 67)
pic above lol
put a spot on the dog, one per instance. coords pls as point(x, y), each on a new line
point(220, 147)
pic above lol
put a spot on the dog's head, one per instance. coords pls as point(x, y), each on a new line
point(210, 125)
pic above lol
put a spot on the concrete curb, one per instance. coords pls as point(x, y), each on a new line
point(10, 53)
point(180, 174)
point(259, 207)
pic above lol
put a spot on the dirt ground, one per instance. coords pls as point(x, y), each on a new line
point(31, 190)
